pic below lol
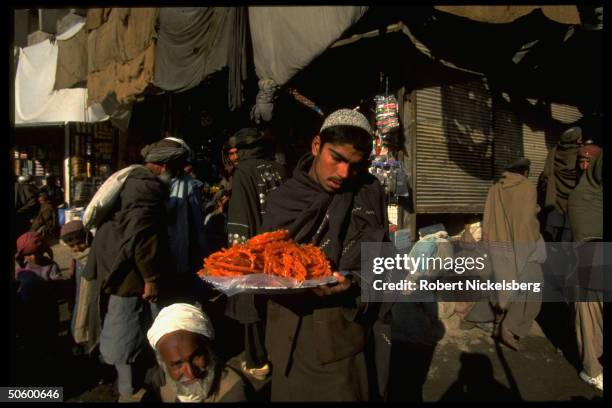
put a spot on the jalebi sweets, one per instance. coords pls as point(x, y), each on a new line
point(273, 253)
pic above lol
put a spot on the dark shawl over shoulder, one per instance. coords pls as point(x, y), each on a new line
point(255, 176)
point(346, 219)
point(140, 216)
point(337, 223)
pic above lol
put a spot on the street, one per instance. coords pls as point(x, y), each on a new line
point(467, 365)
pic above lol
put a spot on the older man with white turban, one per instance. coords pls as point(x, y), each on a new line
point(189, 371)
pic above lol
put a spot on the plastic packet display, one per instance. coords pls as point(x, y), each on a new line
point(386, 114)
point(262, 283)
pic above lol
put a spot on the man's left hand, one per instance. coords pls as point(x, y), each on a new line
point(150, 292)
point(325, 290)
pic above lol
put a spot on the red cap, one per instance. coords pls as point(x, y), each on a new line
point(589, 151)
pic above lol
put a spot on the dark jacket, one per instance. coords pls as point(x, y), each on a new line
point(25, 199)
point(131, 247)
point(336, 326)
point(253, 180)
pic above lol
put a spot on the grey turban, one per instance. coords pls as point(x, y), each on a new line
point(166, 150)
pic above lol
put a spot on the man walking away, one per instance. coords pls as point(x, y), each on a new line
point(128, 261)
point(585, 209)
point(511, 228)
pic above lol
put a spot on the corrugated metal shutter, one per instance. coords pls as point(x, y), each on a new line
point(534, 146)
point(508, 142)
point(565, 113)
point(514, 139)
point(453, 148)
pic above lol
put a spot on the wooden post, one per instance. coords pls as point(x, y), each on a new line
point(408, 117)
point(67, 181)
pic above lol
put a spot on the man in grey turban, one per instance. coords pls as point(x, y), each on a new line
point(127, 262)
point(184, 213)
point(188, 368)
point(166, 157)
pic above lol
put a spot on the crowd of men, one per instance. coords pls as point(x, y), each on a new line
point(137, 295)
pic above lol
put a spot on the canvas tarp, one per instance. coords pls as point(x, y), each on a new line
point(507, 14)
point(35, 99)
point(287, 39)
point(120, 49)
point(194, 42)
point(71, 61)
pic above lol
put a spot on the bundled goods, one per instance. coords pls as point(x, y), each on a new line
point(271, 253)
point(386, 114)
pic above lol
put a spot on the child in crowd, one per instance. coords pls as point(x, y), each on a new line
point(78, 238)
point(74, 235)
point(39, 283)
point(34, 255)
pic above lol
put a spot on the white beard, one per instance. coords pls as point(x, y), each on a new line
point(195, 392)
point(166, 178)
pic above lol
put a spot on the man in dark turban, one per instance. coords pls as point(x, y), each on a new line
point(255, 176)
point(127, 260)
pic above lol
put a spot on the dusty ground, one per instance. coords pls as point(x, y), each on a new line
point(467, 365)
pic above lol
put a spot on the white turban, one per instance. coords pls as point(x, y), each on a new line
point(180, 316)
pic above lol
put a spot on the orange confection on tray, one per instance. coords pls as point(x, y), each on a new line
point(273, 253)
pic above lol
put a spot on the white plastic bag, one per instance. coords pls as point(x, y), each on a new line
point(105, 198)
point(261, 283)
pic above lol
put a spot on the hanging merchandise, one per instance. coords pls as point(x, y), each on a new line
point(387, 170)
point(401, 181)
point(386, 114)
point(304, 100)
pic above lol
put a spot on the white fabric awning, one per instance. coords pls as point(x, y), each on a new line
point(35, 99)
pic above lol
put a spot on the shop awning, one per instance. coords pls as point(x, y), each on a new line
point(532, 56)
point(507, 14)
point(287, 39)
point(121, 53)
point(35, 99)
point(194, 42)
point(539, 52)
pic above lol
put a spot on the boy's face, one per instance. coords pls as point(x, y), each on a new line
point(334, 164)
point(32, 258)
point(232, 155)
point(583, 162)
point(78, 247)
